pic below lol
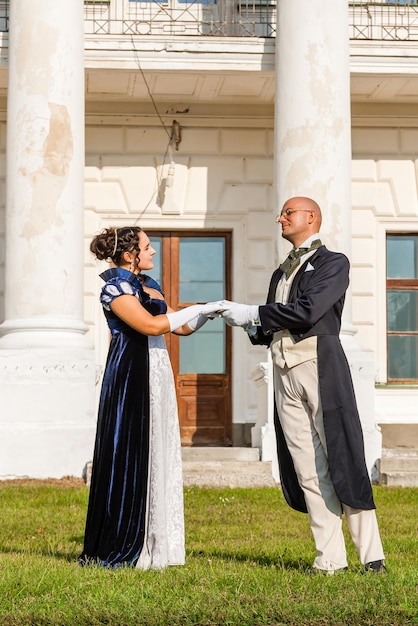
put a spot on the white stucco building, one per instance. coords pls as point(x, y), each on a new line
point(196, 121)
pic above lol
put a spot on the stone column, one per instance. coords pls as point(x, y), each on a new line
point(47, 371)
point(313, 150)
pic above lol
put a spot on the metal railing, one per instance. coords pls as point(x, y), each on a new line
point(384, 21)
point(393, 20)
point(218, 18)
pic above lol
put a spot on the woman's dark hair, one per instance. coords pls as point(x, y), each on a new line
point(112, 242)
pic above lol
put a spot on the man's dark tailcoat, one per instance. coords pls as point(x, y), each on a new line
point(314, 308)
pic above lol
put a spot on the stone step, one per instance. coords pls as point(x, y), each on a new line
point(399, 460)
point(225, 467)
point(218, 453)
point(227, 474)
point(399, 479)
point(398, 467)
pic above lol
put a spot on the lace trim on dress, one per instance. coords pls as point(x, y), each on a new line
point(164, 535)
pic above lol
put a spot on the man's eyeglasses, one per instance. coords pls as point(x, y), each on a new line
point(288, 213)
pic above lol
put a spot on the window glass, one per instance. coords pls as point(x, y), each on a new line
point(202, 269)
point(204, 351)
point(402, 256)
point(402, 356)
point(402, 307)
point(402, 310)
point(202, 279)
point(201, 276)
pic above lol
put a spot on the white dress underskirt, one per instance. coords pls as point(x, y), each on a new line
point(164, 520)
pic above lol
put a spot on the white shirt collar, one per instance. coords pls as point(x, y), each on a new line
point(308, 241)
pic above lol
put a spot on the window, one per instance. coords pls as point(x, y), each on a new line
point(402, 307)
point(195, 266)
point(197, 274)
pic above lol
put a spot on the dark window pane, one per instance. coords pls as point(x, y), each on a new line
point(402, 310)
point(202, 269)
point(204, 351)
point(402, 256)
point(402, 357)
point(202, 279)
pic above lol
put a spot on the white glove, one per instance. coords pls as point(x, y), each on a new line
point(244, 315)
point(184, 316)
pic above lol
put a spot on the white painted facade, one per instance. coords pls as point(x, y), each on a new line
point(222, 92)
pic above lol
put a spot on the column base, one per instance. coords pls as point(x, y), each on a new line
point(24, 333)
point(48, 419)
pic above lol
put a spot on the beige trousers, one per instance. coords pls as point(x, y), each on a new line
point(299, 407)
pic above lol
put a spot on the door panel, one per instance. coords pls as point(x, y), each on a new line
point(195, 267)
point(203, 406)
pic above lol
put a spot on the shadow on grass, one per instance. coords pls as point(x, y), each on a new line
point(280, 561)
point(70, 557)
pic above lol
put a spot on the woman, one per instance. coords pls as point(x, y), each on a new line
point(135, 510)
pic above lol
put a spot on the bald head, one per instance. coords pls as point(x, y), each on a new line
point(300, 218)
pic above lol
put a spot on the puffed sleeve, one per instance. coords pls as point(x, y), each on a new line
point(114, 288)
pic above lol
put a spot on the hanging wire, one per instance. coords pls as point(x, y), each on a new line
point(148, 89)
point(169, 133)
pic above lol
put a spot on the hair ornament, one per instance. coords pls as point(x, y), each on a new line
point(116, 243)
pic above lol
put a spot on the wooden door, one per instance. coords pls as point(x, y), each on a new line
point(195, 267)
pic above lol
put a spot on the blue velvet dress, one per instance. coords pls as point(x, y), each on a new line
point(135, 510)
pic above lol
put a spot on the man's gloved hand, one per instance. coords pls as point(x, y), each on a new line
point(244, 315)
point(213, 308)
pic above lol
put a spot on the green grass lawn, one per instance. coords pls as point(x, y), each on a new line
point(247, 552)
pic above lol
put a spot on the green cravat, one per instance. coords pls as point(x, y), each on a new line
point(292, 262)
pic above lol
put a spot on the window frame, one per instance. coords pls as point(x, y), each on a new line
point(399, 284)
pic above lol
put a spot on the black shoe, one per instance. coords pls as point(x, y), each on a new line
point(377, 567)
point(326, 572)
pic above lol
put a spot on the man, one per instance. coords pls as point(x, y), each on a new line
point(319, 436)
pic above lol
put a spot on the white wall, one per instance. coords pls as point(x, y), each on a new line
point(384, 197)
point(223, 179)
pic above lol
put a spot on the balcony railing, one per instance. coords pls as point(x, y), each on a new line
point(392, 20)
point(218, 18)
point(384, 21)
